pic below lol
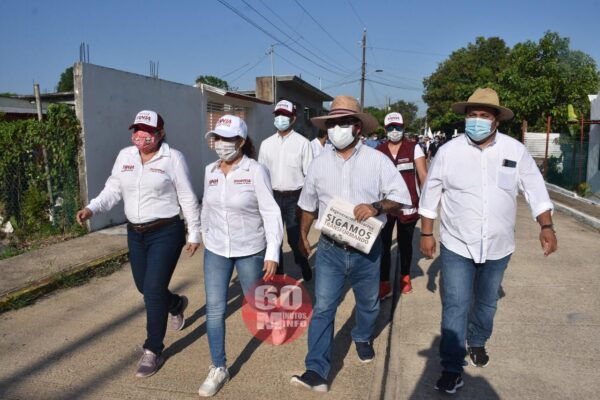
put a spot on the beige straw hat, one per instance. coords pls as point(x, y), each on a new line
point(343, 106)
point(484, 97)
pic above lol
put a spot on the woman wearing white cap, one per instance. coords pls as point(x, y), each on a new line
point(153, 181)
point(241, 227)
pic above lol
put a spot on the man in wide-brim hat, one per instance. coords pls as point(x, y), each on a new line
point(476, 177)
point(367, 179)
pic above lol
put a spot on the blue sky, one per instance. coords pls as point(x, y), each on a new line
point(406, 39)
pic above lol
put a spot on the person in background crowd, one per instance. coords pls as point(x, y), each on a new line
point(241, 227)
point(319, 143)
point(373, 140)
point(154, 182)
point(476, 177)
point(409, 160)
point(362, 176)
point(287, 155)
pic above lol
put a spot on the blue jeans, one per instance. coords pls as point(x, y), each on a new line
point(288, 205)
point(469, 296)
point(217, 274)
point(333, 266)
point(153, 256)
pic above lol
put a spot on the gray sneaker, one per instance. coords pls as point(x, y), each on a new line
point(178, 321)
point(149, 364)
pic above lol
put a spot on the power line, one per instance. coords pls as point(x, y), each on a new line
point(410, 51)
point(250, 68)
point(251, 22)
point(395, 86)
point(308, 72)
point(325, 30)
point(355, 13)
point(234, 71)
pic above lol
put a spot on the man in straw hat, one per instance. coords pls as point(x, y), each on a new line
point(476, 176)
point(366, 178)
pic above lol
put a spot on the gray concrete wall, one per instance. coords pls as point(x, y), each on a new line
point(593, 172)
point(107, 101)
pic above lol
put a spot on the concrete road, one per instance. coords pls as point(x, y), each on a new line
point(81, 343)
point(546, 340)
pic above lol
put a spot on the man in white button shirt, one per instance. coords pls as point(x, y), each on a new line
point(476, 177)
point(287, 155)
point(319, 143)
point(366, 178)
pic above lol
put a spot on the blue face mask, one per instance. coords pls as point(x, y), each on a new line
point(282, 123)
point(478, 129)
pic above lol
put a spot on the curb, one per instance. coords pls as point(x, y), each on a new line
point(35, 289)
point(578, 215)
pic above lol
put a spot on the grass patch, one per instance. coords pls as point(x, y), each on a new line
point(63, 281)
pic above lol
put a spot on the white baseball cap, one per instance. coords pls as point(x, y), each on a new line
point(148, 119)
point(230, 126)
point(285, 107)
point(393, 119)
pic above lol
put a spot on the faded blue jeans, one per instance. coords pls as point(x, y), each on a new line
point(217, 274)
point(469, 297)
point(333, 267)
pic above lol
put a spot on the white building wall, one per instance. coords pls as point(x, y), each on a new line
point(593, 172)
point(107, 101)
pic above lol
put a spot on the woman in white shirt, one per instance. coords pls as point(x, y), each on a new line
point(241, 227)
point(153, 181)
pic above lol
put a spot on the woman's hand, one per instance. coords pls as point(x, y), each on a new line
point(191, 248)
point(83, 215)
point(270, 268)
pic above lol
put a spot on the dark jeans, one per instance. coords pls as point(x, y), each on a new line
point(153, 256)
point(288, 205)
point(405, 248)
point(469, 296)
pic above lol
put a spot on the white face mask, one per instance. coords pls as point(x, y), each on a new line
point(395, 135)
point(340, 137)
point(226, 151)
point(282, 123)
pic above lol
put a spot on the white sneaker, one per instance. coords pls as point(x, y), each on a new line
point(216, 378)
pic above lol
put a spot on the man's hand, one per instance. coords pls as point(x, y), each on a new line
point(191, 248)
point(83, 215)
point(364, 211)
point(270, 267)
point(427, 246)
point(304, 246)
point(548, 241)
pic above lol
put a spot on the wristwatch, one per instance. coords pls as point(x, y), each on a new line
point(377, 206)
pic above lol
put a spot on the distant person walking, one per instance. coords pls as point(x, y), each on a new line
point(409, 160)
point(154, 182)
point(241, 228)
point(476, 178)
point(287, 155)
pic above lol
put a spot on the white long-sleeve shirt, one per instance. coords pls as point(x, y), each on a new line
point(317, 147)
point(239, 214)
point(287, 158)
point(478, 192)
point(157, 189)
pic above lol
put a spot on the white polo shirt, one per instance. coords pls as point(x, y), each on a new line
point(157, 189)
point(478, 190)
point(287, 158)
point(239, 214)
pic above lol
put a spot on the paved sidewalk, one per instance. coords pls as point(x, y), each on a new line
point(80, 343)
point(545, 343)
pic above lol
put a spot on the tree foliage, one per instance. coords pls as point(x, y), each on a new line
point(534, 79)
point(65, 83)
point(213, 81)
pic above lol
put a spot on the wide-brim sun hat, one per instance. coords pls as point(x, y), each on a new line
point(347, 106)
point(484, 97)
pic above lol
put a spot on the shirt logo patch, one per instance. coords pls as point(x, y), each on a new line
point(213, 182)
point(157, 170)
point(127, 168)
point(404, 160)
point(242, 181)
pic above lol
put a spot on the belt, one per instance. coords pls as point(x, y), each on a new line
point(342, 246)
point(287, 193)
point(152, 225)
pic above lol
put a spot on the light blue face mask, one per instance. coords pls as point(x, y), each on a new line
point(282, 123)
point(478, 129)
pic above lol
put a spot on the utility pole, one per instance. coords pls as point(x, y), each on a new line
point(274, 88)
point(362, 74)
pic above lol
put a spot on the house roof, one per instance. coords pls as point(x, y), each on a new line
point(11, 105)
point(301, 84)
